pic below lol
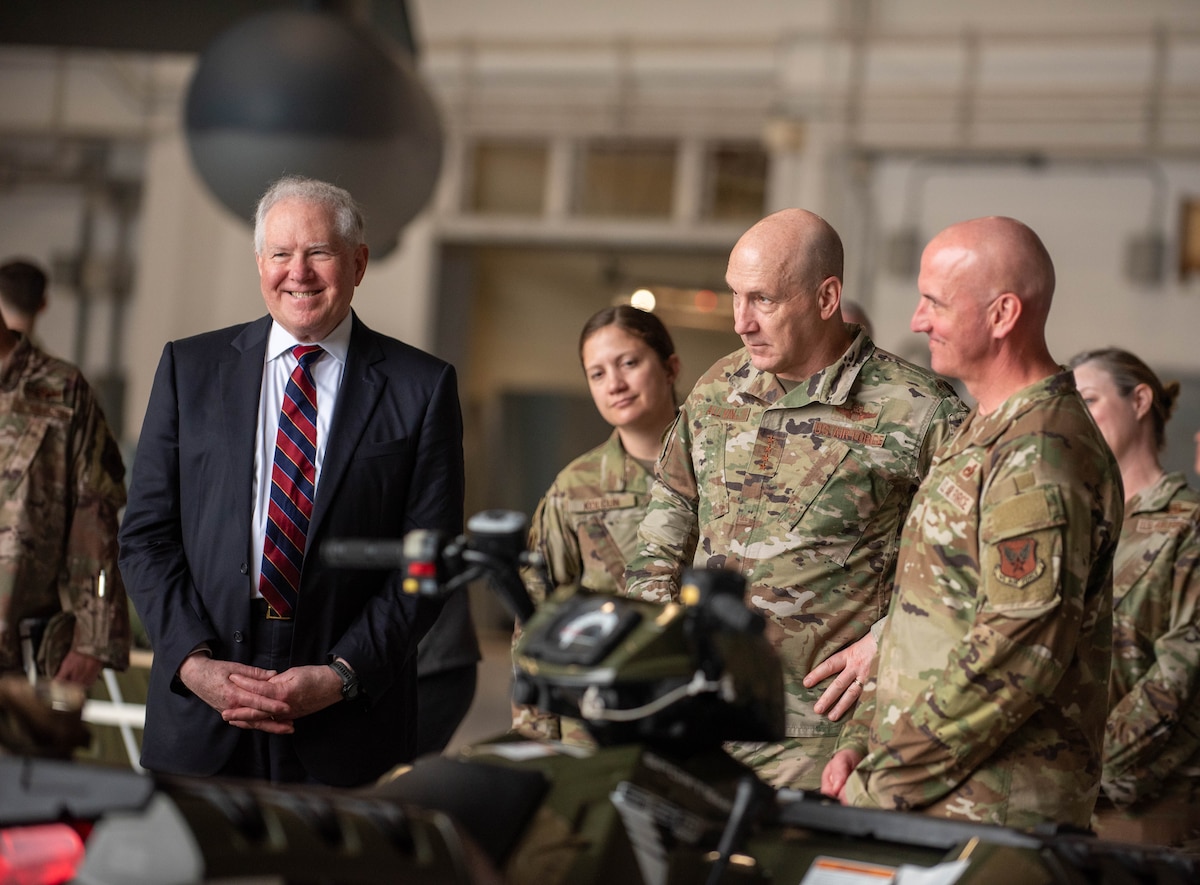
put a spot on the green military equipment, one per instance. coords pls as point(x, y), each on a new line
point(656, 802)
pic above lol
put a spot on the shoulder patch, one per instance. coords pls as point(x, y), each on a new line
point(1019, 565)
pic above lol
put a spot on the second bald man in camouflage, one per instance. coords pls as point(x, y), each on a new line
point(793, 462)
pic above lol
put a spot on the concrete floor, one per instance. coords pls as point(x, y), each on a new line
point(491, 711)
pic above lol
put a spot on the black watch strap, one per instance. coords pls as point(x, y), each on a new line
point(349, 679)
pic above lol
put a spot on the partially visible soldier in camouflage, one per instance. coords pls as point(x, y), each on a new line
point(991, 690)
point(22, 295)
point(61, 488)
point(1151, 778)
point(586, 525)
point(793, 462)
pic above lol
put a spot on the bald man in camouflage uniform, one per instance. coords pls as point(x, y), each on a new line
point(991, 695)
point(793, 462)
point(61, 488)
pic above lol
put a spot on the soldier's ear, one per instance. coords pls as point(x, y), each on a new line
point(1003, 313)
point(1142, 398)
point(829, 297)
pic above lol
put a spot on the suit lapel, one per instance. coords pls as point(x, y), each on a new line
point(239, 374)
point(361, 388)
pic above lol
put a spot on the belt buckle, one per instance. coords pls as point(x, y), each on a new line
point(273, 615)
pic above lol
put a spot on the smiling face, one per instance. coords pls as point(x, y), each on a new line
point(630, 384)
point(306, 271)
point(952, 313)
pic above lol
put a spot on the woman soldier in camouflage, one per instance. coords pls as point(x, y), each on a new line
point(586, 524)
point(1151, 779)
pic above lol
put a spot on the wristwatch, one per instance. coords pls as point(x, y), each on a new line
point(349, 679)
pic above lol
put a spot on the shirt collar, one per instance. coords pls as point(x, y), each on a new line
point(12, 367)
point(336, 343)
point(1157, 496)
point(983, 430)
point(831, 385)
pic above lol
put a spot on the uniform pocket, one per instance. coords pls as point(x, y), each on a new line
point(832, 518)
point(29, 433)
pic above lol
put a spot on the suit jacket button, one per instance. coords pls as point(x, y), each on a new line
point(237, 636)
point(245, 568)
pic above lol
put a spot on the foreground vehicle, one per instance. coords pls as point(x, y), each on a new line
point(657, 802)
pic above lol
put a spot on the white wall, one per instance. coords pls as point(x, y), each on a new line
point(195, 267)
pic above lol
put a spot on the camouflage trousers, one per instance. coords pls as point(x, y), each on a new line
point(795, 763)
point(532, 723)
point(1171, 820)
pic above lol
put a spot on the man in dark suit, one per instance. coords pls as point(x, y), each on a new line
point(270, 667)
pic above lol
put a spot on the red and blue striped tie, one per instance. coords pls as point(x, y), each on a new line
point(293, 486)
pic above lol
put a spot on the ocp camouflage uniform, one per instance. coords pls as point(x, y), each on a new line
point(1151, 776)
point(585, 528)
point(803, 493)
point(61, 488)
point(992, 674)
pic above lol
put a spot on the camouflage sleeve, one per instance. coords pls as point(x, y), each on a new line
point(1155, 728)
point(947, 418)
point(552, 535)
point(101, 621)
point(1015, 652)
point(668, 533)
point(944, 423)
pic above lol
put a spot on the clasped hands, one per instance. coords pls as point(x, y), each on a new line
point(267, 700)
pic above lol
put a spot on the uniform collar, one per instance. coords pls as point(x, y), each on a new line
point(14, 366)
point(615, 465)
point(1157, 496)
point(983, 430)
point(831, 385)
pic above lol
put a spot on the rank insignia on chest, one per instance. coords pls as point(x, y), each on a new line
point(969, 471)
point(1019, 565)
point(855, 412)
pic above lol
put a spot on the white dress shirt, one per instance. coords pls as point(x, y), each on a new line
point(327, 373)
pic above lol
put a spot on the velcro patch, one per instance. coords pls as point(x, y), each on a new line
point(607, 502)
point(1146, 526)
point(855, 412)
point(728, 413)
point(950, 490)
point(849, 434)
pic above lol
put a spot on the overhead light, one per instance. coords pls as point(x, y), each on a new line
point(311, 93)
point(684, 307)
point(643, 299)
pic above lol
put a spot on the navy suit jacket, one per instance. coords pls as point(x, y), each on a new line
point(393, 463)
